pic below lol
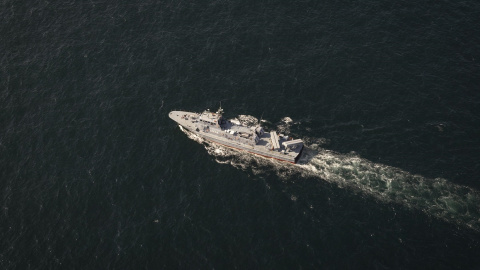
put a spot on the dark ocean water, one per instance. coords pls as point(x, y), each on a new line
point(385, 94)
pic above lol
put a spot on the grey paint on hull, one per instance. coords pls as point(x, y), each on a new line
point(212, 127)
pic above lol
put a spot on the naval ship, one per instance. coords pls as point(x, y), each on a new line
point(231, 133)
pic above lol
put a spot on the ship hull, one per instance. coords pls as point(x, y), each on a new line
point(239, 148)
point(237, 137)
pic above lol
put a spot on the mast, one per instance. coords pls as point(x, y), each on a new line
point(220, 110)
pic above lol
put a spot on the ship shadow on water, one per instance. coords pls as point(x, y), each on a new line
point(308, 154)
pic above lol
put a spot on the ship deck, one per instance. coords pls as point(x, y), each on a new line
point(236, 136)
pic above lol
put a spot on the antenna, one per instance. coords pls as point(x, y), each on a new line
point(220, 110)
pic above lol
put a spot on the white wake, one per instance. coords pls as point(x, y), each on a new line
point(437, 197)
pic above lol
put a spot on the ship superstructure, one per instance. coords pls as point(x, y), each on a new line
point(213, 127)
